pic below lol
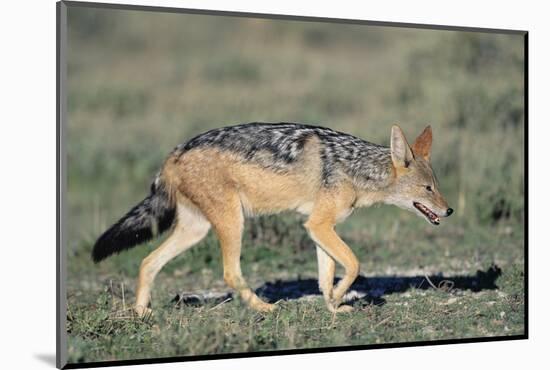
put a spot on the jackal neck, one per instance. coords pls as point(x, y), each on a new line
point(371, 169)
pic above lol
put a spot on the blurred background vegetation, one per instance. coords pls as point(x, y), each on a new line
point(140, 83)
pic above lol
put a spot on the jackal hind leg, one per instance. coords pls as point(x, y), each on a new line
point(228, 224)
point(191, 227)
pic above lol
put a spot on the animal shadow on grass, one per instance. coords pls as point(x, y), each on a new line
point(364, 291)
point(370, 290)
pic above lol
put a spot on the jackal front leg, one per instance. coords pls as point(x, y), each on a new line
point(331, 247)
point(327, 266)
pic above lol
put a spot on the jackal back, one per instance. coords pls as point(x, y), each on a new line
point(278, 147)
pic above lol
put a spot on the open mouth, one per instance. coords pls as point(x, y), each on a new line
point(432, 217)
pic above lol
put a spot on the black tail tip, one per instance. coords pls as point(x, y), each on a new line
point(104, 247)
point(98, 254)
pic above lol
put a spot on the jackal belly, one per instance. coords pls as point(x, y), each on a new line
point(263, 192)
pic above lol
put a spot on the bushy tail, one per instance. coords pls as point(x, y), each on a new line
point(150, 217)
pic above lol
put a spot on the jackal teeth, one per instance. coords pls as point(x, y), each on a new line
point(428, 213)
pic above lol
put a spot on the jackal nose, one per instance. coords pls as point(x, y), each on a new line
point(449, 212)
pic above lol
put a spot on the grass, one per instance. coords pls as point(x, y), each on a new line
point(140, 83)
point(106, 330)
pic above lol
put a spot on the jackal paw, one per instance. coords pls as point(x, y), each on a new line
point(343, 308)
point(264, 307)
point(143, 312)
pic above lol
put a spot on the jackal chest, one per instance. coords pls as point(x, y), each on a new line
point(307, 209)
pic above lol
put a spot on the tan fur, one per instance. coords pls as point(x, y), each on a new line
point(422, 146)
point(212, 173)
point(217, 188)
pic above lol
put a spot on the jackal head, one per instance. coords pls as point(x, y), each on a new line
point(415, 187)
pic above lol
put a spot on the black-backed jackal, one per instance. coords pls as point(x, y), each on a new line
point(224, 175)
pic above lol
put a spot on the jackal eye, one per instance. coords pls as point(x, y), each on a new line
point(429, 188)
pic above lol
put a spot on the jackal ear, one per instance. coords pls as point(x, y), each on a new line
point(401, 153)
point(423, 144)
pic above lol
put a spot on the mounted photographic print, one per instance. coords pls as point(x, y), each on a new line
point(234, 185)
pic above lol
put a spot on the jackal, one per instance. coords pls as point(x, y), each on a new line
point(224, 175)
